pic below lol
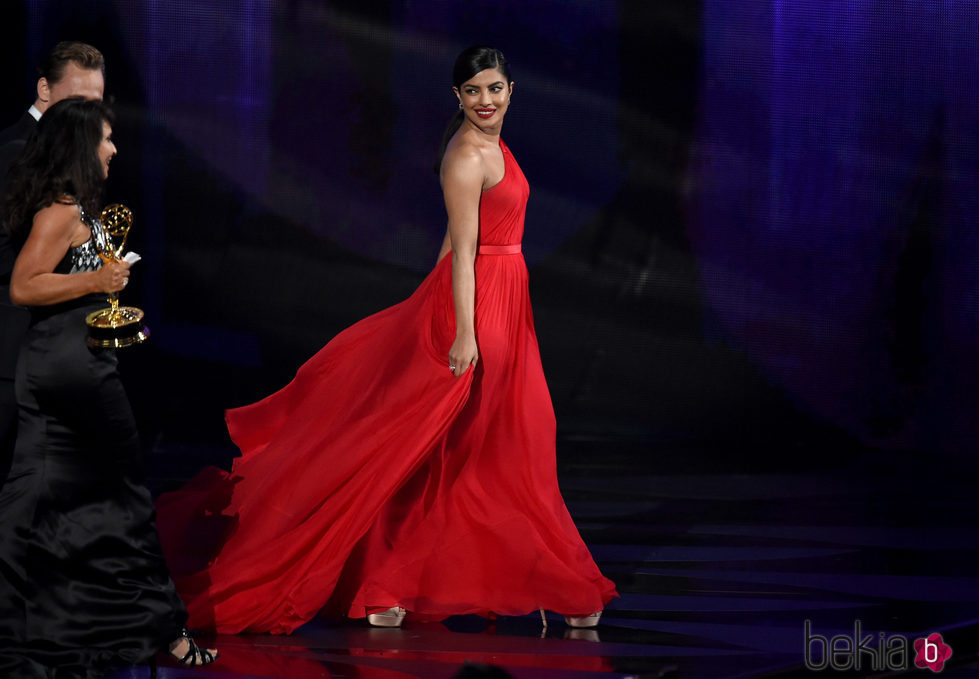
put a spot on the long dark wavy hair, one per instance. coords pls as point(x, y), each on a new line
point(470, 61)
point(60, 159)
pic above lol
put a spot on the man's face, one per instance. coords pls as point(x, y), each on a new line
point(75, 82)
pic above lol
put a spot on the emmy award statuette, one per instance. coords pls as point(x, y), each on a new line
point(115, 326)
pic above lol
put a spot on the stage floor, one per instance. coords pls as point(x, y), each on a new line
point(718, 573)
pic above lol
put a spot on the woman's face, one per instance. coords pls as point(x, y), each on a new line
point(485, 98)
point(106, 149)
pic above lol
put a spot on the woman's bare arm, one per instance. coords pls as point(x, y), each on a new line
point(462, 183)
point(33, 281)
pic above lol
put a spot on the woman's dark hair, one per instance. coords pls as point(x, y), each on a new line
point(470, 61)
point(60, 159)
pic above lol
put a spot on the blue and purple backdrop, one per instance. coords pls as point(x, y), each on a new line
point(750, 231)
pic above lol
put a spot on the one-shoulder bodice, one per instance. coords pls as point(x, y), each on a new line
point(502, 207)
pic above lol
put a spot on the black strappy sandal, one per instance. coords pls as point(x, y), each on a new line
point(195, 656)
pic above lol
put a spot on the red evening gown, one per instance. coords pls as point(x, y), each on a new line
point(377, 479)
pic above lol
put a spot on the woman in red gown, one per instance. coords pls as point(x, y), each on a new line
point(410, 464)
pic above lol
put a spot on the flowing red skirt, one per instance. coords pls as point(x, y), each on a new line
point(377, 479)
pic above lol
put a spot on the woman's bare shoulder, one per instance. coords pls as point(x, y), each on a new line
point(60, 216)
point(461, 150)
point(463, 162)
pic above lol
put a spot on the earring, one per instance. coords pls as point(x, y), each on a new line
point(460, 105)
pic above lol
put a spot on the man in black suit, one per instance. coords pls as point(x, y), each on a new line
point(72, 69)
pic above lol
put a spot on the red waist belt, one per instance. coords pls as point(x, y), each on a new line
point(500, 249)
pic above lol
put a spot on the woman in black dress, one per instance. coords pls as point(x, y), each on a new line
point(83, 584)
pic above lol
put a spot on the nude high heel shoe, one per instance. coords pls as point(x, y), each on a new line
point(392, 617)
point(585, 622)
